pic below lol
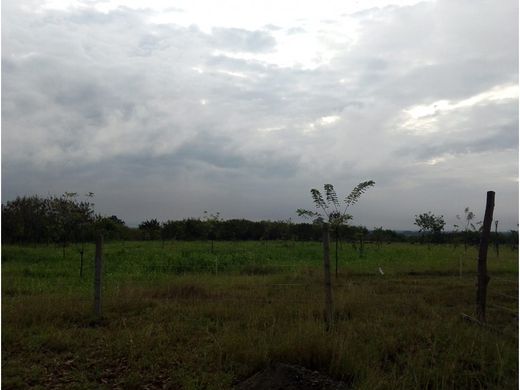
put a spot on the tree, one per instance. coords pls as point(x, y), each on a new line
point(171, 229)
point(26, 219)
point(514, 239)
point(212, 221)
point(469, 226)
point(431, 224)
point(331, 212)
point(70, 219)
point(112, 228)
point(61, 219)
point(151, 229)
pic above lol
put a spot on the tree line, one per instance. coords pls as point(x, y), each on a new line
point(70, 218)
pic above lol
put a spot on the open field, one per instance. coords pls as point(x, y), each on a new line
point(177, 315)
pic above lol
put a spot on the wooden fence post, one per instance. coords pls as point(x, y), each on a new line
point(496, 239)
point(328, 286)
point(483, 278)
point(97, 275)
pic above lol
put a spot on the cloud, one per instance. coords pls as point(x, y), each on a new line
point(245, 120)
point(236, 39)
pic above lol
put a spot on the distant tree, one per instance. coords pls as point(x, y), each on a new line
point(172, 229)
point(514, 239)
point(431, 224)
point(378, 236)
point(151, 229)
point(331, 213)
point(70, 218)
point(111, 227)
point(195, 229)
point(61, 219)
point(26, 219)
point(468, 226)
point(212, 222)
point(116, 220)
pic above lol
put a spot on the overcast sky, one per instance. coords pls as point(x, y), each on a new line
point(168, 108)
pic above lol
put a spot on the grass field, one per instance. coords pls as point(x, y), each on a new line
point(177, 315)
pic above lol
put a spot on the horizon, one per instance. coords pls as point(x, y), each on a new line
point(164, 112)
point(135, 224)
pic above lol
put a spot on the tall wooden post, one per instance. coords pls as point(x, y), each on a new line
point(496, 239)
point(327, 281)
point(97, 275)
point(81, 253)
point(337, 237)
point(483, 278)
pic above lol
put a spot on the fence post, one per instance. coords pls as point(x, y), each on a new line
point(327, 281)
point(81, 252)
point(483, 278)
point(496, 239)
point(97, 275)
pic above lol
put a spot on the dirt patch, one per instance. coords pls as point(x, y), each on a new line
point(281, 376)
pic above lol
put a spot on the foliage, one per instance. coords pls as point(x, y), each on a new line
point(330, 208)
point(469, 226)
point(469, 216)
point(53, 219)
point(431, 224)
point(151, 229)
point(112, 228)
point(212, 221)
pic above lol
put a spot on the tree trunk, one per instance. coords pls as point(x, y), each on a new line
point(97, 276)
point(483, 278)
point(327, 282)
point(337, 252)
point(496, 239)
point(81, 261)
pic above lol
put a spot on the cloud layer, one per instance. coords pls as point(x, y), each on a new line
point(164, 113)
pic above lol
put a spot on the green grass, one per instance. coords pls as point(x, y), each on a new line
point(179, 316)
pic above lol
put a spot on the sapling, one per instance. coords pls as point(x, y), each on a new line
point(469, 226)
point(331, 213)
point(212, 220)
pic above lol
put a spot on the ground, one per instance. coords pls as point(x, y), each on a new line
point(178, 316)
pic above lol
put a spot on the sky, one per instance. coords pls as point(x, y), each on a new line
point(165, 109)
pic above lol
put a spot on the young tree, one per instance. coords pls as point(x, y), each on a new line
point(332, 214)
point(469, 226)
point(430, 223)
point(70, 217)
point(212, 221)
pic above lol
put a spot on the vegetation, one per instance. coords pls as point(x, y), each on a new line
point(331, 212)
point(32, 219)
point(215, 300)
point(469, 226)
point(431, 224)
point(170, 322)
